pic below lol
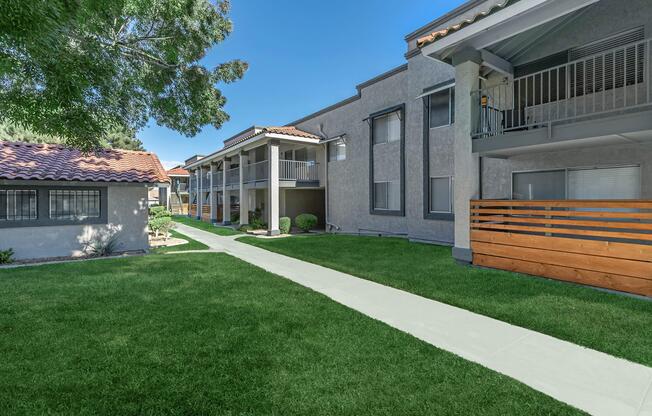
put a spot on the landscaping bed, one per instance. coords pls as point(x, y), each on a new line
point(616, 324)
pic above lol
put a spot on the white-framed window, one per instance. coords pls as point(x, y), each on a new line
point(18, 204)
point(387, 128)
point(442, 108)
point(337, 150)
point(387, 196)
point(74, 204)
point(619, 182)
point(441, 194)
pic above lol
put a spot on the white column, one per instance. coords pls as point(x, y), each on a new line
point(226, 196)
point(199, 192)
point(244, 196)
point(212, 196)
point(273, 189)
point(466, 183)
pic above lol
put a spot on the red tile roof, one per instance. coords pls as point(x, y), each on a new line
point(178, 171)
point(27, 161)
point(287, 130)
point(435, 36)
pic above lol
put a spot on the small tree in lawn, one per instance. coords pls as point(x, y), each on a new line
point(79, 70)
point(161, 225)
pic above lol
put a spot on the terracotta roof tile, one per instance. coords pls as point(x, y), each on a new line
point(435, 36)
point(27, 161)
point(178, 171)
point(288, 130)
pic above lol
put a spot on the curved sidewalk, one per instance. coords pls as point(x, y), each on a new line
point(590, 380)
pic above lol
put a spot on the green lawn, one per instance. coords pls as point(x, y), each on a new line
point(208, 334)
point(190, 246)
point(615, 324)
point(192, 222)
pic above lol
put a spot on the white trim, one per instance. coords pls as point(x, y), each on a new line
point(492, 29)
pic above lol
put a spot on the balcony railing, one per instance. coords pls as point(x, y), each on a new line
point(180, 188)
point(233, 176)
point(217, 179)
point(609, 82)
point(206, 181)
point(294, 170)
point(256, 171)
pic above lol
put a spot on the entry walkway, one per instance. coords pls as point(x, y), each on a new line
point(592, 381)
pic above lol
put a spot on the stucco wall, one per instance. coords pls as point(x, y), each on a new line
point(127, 215)
point(348, 180)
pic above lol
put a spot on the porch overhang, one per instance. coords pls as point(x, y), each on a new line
point(517, 18)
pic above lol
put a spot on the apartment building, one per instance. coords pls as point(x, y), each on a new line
point(518, 131)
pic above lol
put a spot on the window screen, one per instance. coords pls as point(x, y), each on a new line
point(387, 196)
point(337, 150)
point(442, 108)
point(18, 205)
point(387, 128)
point(440, 195)
point(539, 185)
point(74, 204)
point(605, 183)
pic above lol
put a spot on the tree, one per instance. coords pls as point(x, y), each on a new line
point(73, 69)
point(117, 138)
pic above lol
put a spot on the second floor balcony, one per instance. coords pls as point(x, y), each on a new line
point(603, 90)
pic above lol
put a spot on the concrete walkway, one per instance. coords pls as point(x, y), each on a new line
point(592, 381)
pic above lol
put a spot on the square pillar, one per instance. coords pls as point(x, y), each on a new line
point(244, 197)
point(466, 184)
point(200, 186)
point(226, 196)
point(213, 197)
point(273, 200)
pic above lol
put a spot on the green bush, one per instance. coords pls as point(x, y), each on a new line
point(284, 224)
point(305, 222)
point(235, 217)
point(159, 211)
point(161, 225)
point(7, 256)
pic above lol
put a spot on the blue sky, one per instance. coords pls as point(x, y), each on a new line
point(303, 55)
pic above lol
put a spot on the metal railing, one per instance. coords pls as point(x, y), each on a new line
point(180, 187)
point(256, 171)
point(233, 176)
point(217, 179)
point(600, 84)
point(298, 171)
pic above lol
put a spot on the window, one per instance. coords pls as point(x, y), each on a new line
point(543, 185)
point(387, 196)
point(337, 150)
point(18, 205)
point(593, 183)
point(605, 183)
point(74, 204)
point(441, 194)
point(387, 128)
point(442, 108)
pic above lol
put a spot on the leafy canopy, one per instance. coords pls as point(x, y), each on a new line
point(74, 68)
point(116, 138)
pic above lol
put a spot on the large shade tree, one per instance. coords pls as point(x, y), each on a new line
point(75, 69)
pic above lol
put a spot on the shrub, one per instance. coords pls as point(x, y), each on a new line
point(159, 212)
point(7, 256)
point(284, 224)
point(305, 222)
point(101, 244)
point(160, 225)
point(235, 217)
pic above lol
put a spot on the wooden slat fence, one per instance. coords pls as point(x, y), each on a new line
point(606, 244)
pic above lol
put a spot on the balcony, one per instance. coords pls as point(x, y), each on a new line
point(610, 92)
point(233, 176)
point(294, 170)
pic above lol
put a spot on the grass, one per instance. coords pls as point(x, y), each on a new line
point(209, 334)
point(615, 324)
point(191, 222)
point(189, 246)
